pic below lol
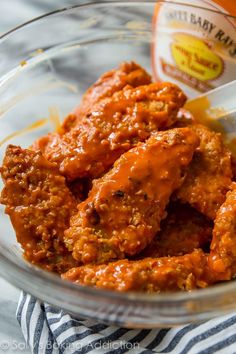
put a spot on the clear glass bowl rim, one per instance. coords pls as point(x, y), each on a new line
point(26, 270)
point(110, 3)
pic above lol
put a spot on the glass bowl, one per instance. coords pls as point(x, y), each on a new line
point(45, 66)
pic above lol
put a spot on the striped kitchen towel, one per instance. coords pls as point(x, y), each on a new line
point(50, 330)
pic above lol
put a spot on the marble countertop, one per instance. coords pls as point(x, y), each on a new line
point(11, 338)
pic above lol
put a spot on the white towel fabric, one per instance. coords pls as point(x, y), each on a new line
point(49, 330)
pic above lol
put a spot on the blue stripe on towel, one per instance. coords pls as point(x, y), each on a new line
point(65, 334)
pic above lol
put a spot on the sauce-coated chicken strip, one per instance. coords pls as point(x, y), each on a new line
point(147, 275)
point(39, 205)
point(182, 231)
point(123, 211)
point(111, 127)
point(209, 174)
point(223, 247)
point(128, 73)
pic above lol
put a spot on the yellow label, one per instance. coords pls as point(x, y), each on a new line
point(193, 56)
point(193, 45)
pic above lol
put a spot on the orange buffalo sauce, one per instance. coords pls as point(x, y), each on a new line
point(228, 6)
point(195, 44)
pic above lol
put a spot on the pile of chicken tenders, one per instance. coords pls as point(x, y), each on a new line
point(129, 194)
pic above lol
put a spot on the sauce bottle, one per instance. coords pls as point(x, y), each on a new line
point(194, 45)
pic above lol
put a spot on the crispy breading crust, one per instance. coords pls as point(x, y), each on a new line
point(40, 206)
point(182, 231)
point(223, 247)
point(112, 126)
point(128, 73)
point(123, 211)
point(209, 175)
point(148, 275)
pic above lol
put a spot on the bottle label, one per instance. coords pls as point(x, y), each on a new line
point(194, 47)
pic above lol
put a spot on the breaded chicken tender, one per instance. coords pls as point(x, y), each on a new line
point(209, 174)
point(124, 209)
point(147, 275)
point(111, 127)
point(182, 231)
point(40, 206)
point(127, 74)
point(222, 258)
